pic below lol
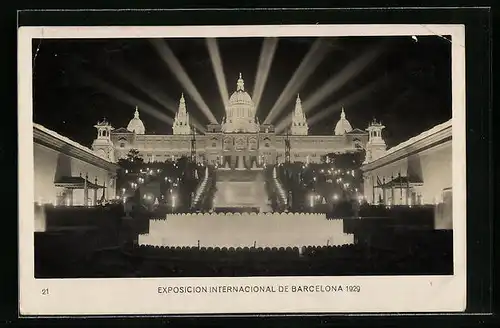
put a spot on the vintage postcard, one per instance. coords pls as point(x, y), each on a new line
point(242, 169)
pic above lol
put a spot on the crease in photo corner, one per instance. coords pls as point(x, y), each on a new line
point(39, 282)
point(441, 36)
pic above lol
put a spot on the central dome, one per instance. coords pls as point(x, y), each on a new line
point(240, 111)
point(240, 96)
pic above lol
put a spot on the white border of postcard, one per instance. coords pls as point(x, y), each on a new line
point(139, 296)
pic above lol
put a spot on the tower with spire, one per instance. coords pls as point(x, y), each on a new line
point(181, 121)
point(299, 122)
point(375, 147)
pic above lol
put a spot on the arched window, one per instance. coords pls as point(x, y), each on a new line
point(227, 144)
point(214, 142)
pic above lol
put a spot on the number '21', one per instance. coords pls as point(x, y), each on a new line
point(45, 291)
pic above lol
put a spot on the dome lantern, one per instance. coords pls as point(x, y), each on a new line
point(240, 85)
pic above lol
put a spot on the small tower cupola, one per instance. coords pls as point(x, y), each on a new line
point(376, 146)
point(103, 130)
point(102, 145)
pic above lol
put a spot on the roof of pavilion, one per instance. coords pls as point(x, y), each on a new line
point(436, 135)
point(400, 182)
point(52, 139)
point(426, 134)
point(357, 131)
point(76, 183)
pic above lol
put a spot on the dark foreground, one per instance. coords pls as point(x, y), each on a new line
point(106, 247)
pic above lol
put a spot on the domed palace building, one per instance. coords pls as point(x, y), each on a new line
point(239, 140)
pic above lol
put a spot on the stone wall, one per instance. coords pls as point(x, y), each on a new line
point(246, 230)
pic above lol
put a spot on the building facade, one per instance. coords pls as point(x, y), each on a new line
point(67, 173)
point(415, 172)
point(239, 140)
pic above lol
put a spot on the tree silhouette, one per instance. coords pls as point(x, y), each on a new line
point(132, 161)
point(134, 156)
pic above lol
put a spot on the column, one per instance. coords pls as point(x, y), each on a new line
point(400, 190)
point(85, 191)
point(95, 193)
point(384, 194)
point(104, 191)
point(374, 200)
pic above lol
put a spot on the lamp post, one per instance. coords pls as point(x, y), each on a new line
point(173, 202)
point(311, 201)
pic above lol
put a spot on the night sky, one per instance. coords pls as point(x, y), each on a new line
point(412, 94)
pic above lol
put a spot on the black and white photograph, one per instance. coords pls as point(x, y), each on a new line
point(303, 167)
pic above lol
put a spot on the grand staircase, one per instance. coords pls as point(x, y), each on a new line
point(201, 191)
point(279, 188)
